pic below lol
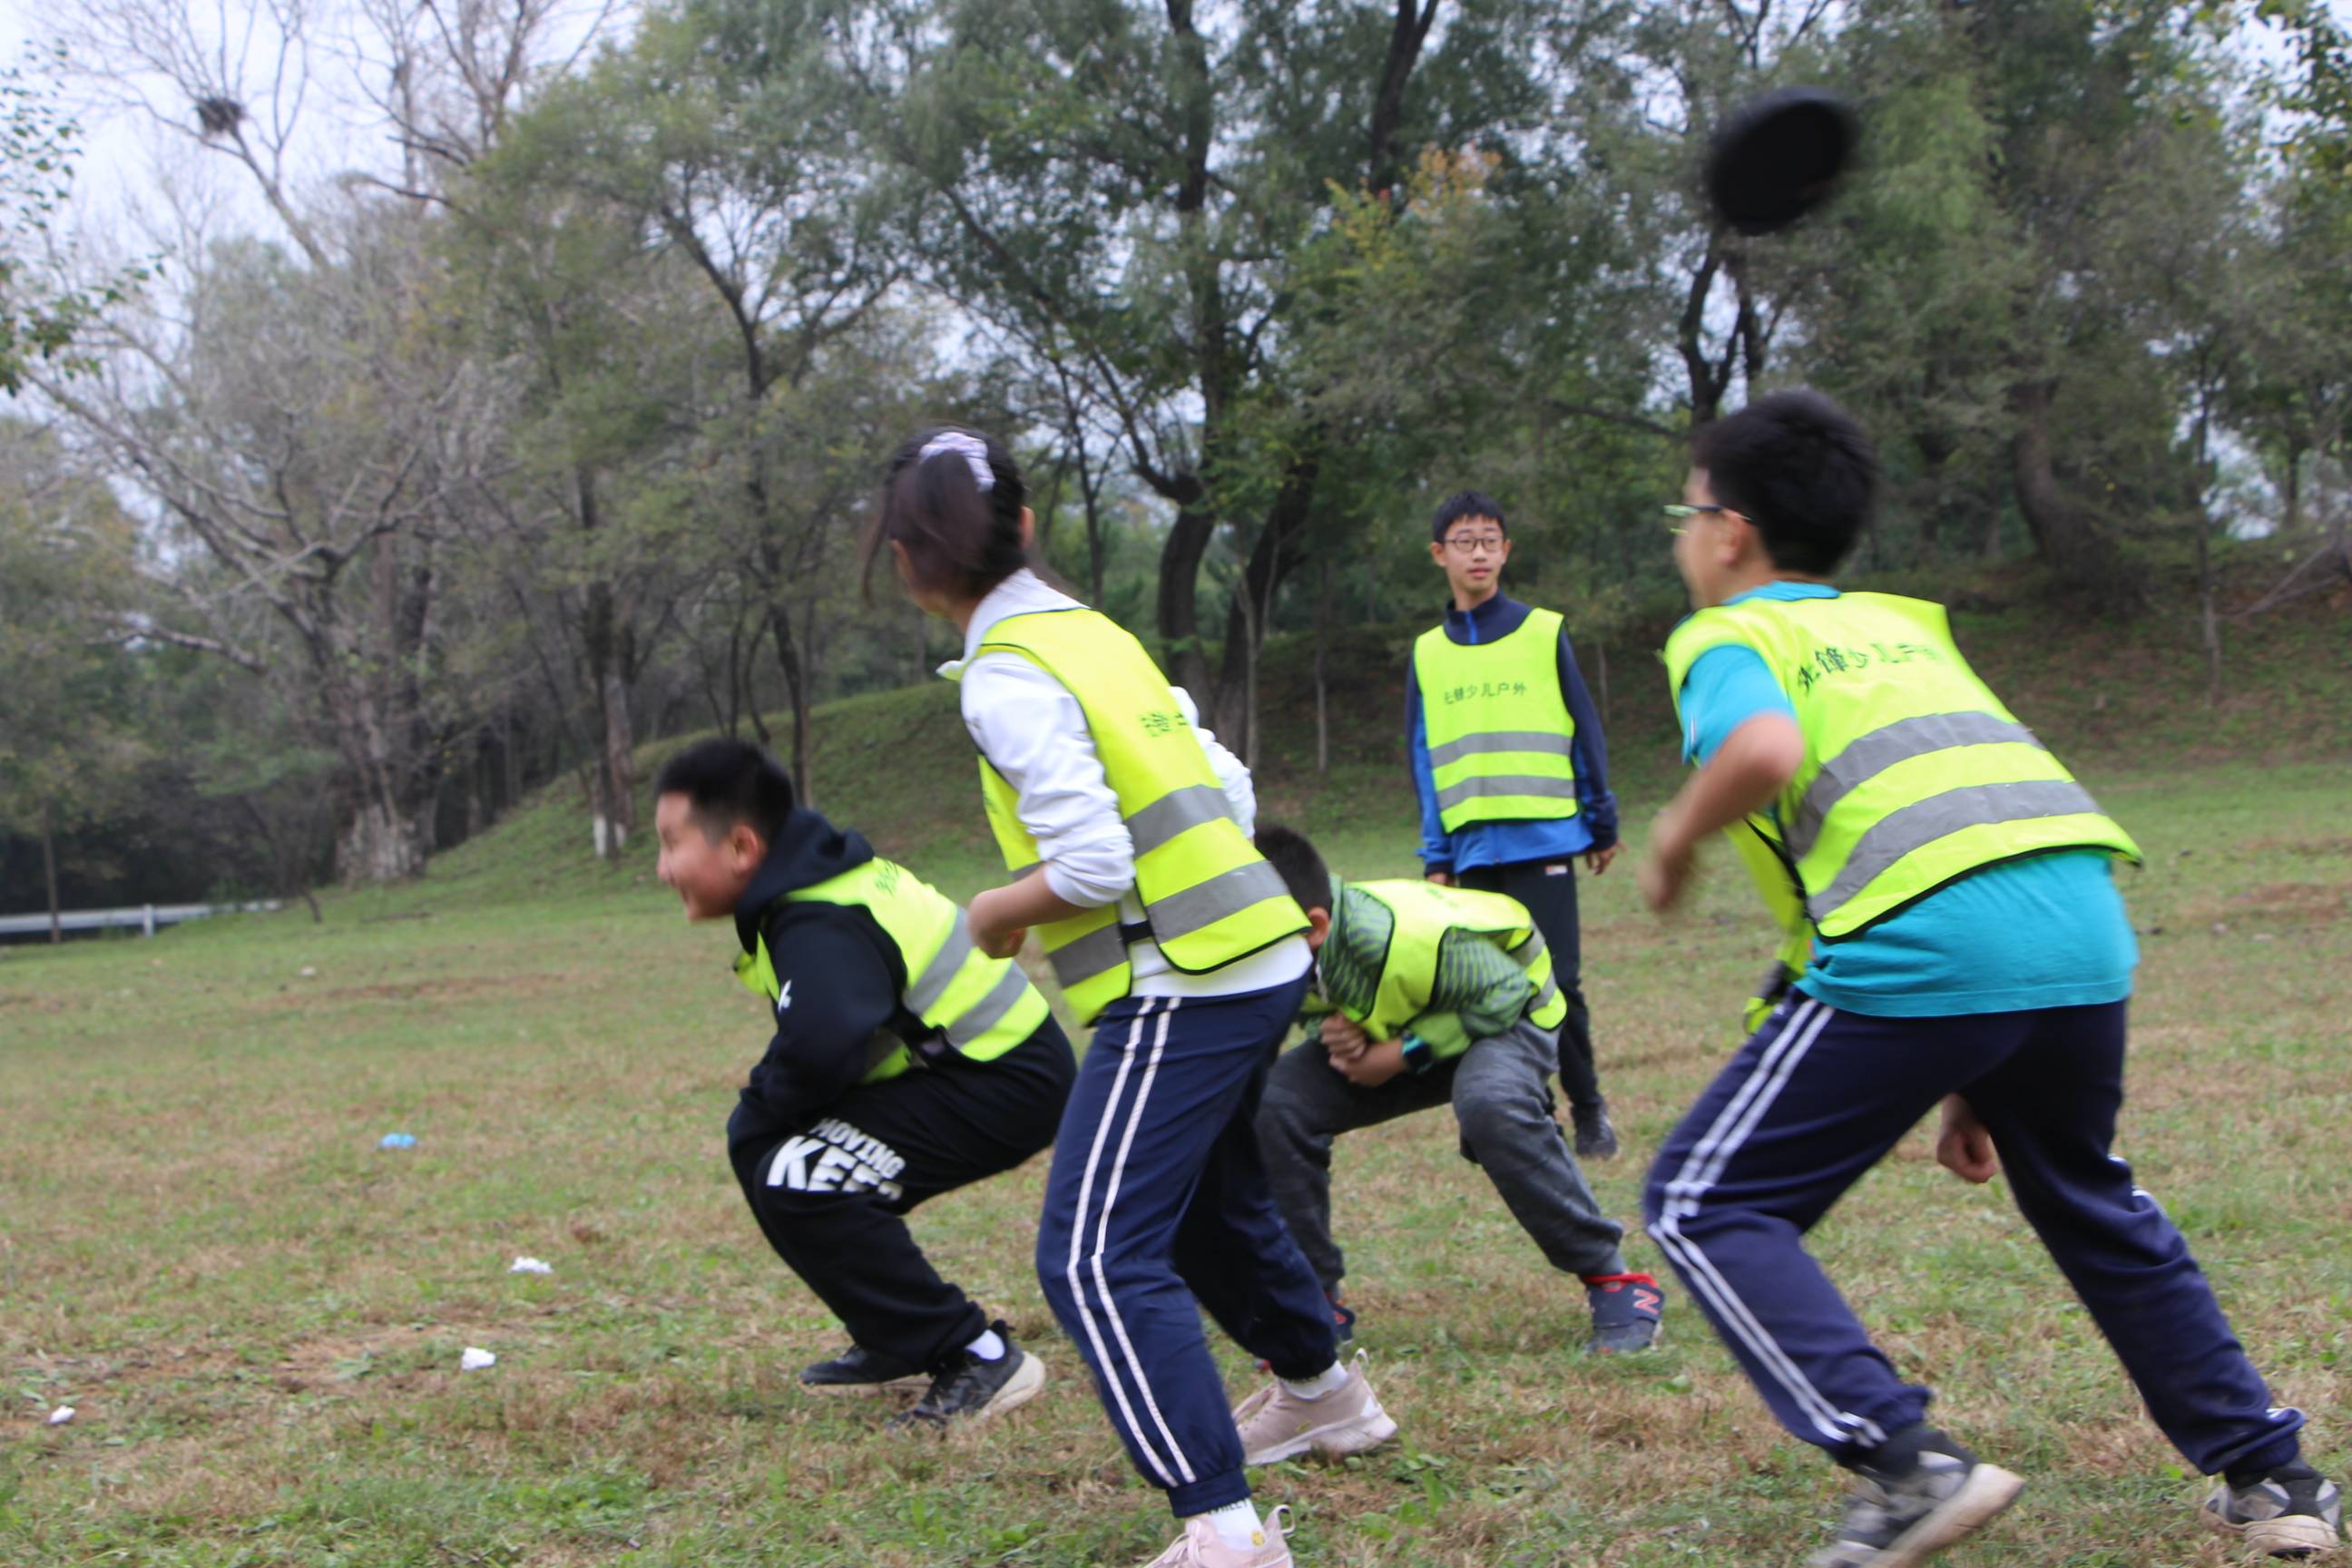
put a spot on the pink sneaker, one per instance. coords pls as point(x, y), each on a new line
point(1201, 1547)
point(1276, 1425)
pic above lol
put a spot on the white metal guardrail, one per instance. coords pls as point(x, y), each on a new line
point(144, 919)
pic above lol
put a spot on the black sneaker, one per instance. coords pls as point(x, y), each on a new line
point(1596, 1135)
point(860, 1370)
point(1625, 1311)
point(968, 1389)
point(2291, 1512)
point(1897, 1517)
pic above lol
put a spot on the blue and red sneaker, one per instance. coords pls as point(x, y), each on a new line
point(1625, 1311)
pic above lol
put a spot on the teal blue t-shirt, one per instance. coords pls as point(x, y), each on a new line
point(2046, 931)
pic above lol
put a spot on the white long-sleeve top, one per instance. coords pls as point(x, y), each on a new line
point(1032, 730)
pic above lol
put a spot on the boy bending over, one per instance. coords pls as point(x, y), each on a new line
point(904, 1064)
point(1432, 995)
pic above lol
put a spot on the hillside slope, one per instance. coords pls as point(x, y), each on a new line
point(2110, 694)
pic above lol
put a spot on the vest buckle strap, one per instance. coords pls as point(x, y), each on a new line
point(1869, 755)
point(1922, 823)
point(1488, 742)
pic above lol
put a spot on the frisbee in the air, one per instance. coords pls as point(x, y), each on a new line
point(1777, 157)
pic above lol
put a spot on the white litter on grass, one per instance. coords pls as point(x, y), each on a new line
point(62, 1414)
point(531, 1265)
point(310, 972)
point(476, 1359)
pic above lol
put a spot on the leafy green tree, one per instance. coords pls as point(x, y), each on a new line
point(69, 713)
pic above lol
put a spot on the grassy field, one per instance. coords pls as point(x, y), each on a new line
point(258, 1313)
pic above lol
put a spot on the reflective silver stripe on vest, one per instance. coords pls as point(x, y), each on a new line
point(989, 1011)
point(1205, 903)
point(1088, 957)
point(1545, 996)
point(1176, 812)
point(1500, 741)
point(1865, 757)
point(1920, 824)
point(940, 971)
point(1527, 952)
point(1452, 796)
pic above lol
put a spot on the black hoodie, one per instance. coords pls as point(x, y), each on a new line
point(839, 977)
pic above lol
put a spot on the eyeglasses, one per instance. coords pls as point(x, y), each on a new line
point(1682, 511)
point(1470, 544)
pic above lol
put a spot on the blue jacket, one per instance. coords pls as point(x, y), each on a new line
point(1594, 827)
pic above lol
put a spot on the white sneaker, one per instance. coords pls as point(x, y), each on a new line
point(1201, 1547)
point(1276, 1425)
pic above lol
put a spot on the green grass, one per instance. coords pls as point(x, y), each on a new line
point(258, 1313)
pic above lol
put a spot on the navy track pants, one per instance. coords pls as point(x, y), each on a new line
point(1817, 1096)
point(1157, 1205)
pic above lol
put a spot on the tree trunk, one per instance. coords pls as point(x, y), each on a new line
point(50, 871)
point(1322, 685)
point(1179, 604)
point(788, 658)
point(2062, 532)
point(1272, 558)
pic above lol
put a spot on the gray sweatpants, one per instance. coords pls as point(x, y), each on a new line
point(1503, 1107)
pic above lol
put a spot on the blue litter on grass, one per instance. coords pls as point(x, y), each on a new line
point(398, 1140)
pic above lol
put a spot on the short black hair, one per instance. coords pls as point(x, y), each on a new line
point(1295, 860)
point(1797, 466)
point(730, 782)
point(1462, 504)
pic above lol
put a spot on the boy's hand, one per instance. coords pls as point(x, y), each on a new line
point(1963, 1146)
point(1666, 870)
point(992, 932)
point(1373, 1065)
point(1343, 1038)
point(1442, 879)
point(1597, 861)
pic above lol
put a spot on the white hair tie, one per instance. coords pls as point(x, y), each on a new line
point(970, 449)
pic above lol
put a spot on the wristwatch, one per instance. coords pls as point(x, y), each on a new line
point(1420, 1055)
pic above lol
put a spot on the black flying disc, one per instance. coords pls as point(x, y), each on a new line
point(1777, 157)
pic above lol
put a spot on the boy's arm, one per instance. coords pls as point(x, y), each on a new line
point(1479, 991)
point(1436, 843)
point(1588, 752)
point(835, 992)
point(1745, 775)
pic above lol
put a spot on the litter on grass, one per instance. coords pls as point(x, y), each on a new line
point(62, 1414)
point(531, 1265)
point(476, 1359)
point(398, 1140)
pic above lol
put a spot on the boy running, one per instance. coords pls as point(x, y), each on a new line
point(1443, 997)
point(904, 1064)
point(1967, 947)
point(1511, 769)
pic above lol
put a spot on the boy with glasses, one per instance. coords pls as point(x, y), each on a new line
point(1511, 768)
point(1958, 940)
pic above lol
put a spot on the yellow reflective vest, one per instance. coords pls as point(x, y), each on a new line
point(1915, 773)
point(978, 1007)
point(1424, 914)
point(1208, 897)
point(1498, 731)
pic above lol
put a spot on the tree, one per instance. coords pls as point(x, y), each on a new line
point(67, 700)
